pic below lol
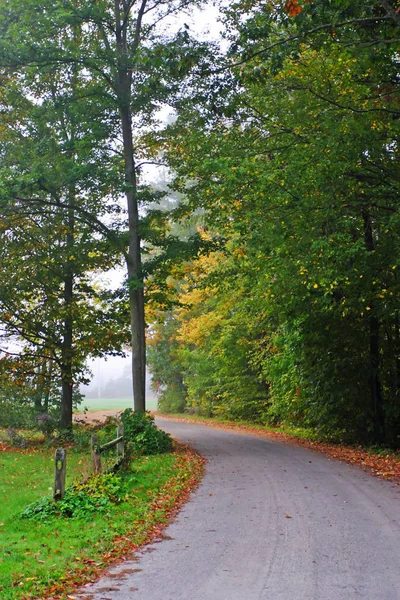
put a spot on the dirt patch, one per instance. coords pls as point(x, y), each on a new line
point(91, 416)
point(96, 415)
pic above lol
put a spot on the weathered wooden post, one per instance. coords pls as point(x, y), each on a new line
point(120, 444)
point(60, 471)
point(96, 458)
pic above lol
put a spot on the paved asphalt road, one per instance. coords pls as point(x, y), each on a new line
point(270, 521)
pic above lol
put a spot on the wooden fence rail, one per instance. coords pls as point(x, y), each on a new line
point(97, 450)
point(60, 462)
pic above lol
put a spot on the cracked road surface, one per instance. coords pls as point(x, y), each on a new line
point(269, 521)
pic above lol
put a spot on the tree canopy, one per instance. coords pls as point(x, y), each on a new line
point(297, 167)
point(283, 148)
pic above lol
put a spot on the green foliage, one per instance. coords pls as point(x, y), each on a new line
point(289, 160)
point(151, 441)
point(166, 368)
point(142, 435)
point(14, 414)
point(206, 345)
point(40, 510)
point(298, 171)
point(172, 399)
point(98, 494)
point(75, 121)
point(81, 436)
point(46, 423)
point(49, 250)
point(105, 431)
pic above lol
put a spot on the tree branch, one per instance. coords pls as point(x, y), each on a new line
point(90, 218)
point(390, 11)
point(138, 27)
point(293, 38)
point(343, 106)
point(149, 162)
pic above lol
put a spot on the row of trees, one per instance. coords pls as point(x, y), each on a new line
point(295, 166)
point(284, 305)
point(81, 83)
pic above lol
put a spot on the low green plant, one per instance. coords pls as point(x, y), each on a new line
point(152, 441)
point(81, 436)
point(109, 485)
point(14, 438)
point(98, 494)
point(142, 434)
point(106, 431)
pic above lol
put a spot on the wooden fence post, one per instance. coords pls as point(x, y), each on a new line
point(120, 445)
point(96, 459)
point(60, 471)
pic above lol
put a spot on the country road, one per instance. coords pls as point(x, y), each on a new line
point(270, 521)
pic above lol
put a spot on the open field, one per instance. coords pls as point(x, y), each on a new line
point(113, 404)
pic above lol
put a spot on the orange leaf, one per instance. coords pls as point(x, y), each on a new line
point(293, 8)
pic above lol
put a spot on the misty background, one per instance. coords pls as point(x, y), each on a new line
point(111, 385)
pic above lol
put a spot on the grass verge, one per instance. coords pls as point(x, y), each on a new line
point(95, 404)
point(381, 462)
point(49, 559)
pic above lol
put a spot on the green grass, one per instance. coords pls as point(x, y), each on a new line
point(28, 550)
point(37, 558)
point(113, 404)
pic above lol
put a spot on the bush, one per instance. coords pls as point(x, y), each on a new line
point(106, 431)
point(98, 494)
point(46, 424)
point(82, 434)
point(14, 438)
point(172, 400)
point(16, 415)
point(142, 434)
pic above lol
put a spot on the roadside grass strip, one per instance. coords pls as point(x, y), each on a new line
point(49, 558)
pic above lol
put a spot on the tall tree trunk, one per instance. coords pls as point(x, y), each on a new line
point(48, 386)
point(67, 345)
point(133, 260)
point(375, 385)
point(393, 430)
point(134, 268)
point(38, 390)
point(66, 354)
point(375, 382)
point(41, 386)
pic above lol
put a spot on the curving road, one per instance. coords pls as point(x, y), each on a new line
point(270, 521)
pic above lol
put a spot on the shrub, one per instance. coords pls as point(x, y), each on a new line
point(82, 433)
point(98, 494)
point(46, 424)
point(106, 431)
point(142, 434)
point(16, 415)
point(14, 438)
